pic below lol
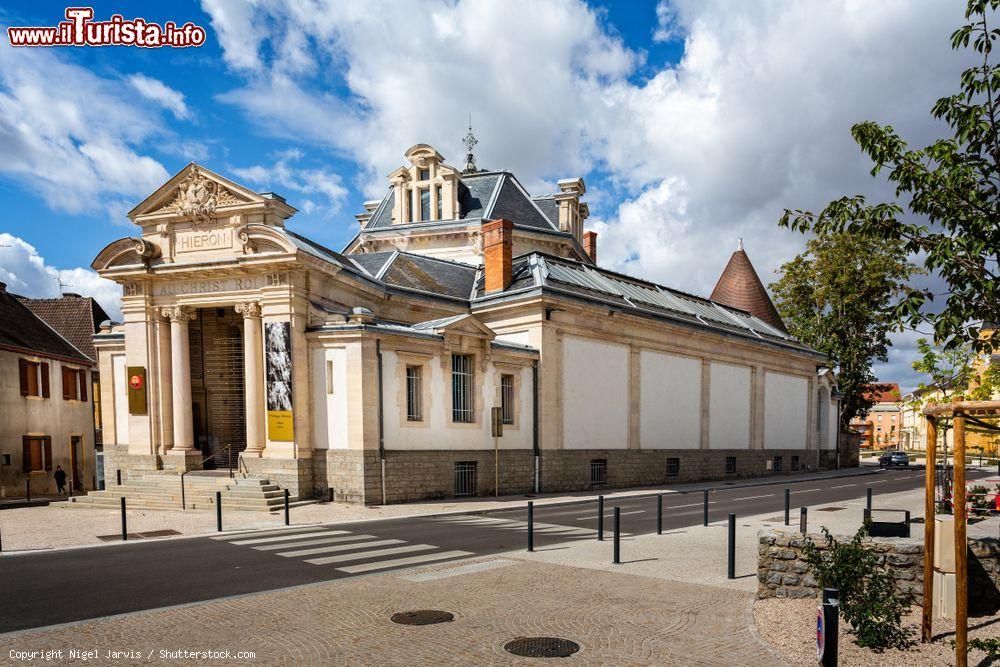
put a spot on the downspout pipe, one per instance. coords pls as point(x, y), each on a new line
point(534, 425)
point(381, 431)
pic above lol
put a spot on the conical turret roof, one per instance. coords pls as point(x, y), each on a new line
point(740, 287)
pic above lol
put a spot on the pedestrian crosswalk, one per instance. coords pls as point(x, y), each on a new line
point(494, 523)
point(350, 553)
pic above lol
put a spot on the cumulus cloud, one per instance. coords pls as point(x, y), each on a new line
point(26, 273)
point(71, 136)
point(312, 182)
point(162, 94)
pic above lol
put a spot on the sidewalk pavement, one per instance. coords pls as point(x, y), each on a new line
point(34, 528)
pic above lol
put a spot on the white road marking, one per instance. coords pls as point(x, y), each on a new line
point(285, 538)
point(754, 497)
point(842, 486)
point(338, 547)
point(457, 570)
point(363, 555)
point(806, 491)
point(413, 560)
point(309, 543)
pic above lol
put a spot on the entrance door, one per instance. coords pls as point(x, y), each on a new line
point(219, 371)
point(76, 479)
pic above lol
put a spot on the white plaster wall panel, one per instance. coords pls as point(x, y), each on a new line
point(670, 388)
point(595, 395)
point(516, 337)
point(437, 431)
point(786, 401)
point(121, 399)
point(729, 406)
point(330, 409)
point(833, 426)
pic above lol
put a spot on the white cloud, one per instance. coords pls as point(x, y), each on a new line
point(71, 136)
point(162, 94)
point(26, 273)
point(283, 174)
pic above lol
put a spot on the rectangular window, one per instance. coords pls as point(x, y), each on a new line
point(440, 204)
point(465, 478)
point(34, 378)
point(414, 387)
point(673, 467)
point(4, 459)
point(462, 406)
point(795, 463)
point(425, 174)
point(777, 464)
point(730, 465)
point(36, 453)
point(425, 204)
point(507, 398)
point(329, 376)
point(598, 472)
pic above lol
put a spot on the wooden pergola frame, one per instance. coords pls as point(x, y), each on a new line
point(959, 412)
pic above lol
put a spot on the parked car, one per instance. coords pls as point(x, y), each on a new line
point(894, 458)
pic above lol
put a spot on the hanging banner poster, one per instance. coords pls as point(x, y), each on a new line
point(278, 356)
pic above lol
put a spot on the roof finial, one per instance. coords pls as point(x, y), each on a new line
point(470, 142)
point(739, 246)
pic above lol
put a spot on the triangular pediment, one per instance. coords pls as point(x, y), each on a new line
point(464, 324)
point(195, 193)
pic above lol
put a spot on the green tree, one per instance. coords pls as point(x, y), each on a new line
point(837, 297)
point(950, 188)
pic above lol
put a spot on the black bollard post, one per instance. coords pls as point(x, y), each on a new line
point(831, 630)
point(218, 511)
point(531, 526)
point(659, 514)
point(118, 475)
point(124, 522)
point(1, 542)
point(803, 522)
point(600, 518)
point(732, 546)
point(705, 512)
point(788, 505)
point(286, 507)
point(27, 490)
point(868, 493)
point(618, 536)
point(330, 493)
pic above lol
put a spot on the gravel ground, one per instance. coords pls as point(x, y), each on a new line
point(790, 627)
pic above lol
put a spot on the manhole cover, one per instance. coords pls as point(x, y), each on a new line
point(422, 617)
point(541, 647)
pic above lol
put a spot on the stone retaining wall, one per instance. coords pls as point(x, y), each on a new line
point(782, 571)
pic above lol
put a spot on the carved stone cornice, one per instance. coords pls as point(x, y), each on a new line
point(178, 313)
point(248, 309)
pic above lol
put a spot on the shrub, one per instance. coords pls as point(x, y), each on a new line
point(869, 601)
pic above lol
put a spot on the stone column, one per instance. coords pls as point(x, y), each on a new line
point(253, 376)
point(180, 372)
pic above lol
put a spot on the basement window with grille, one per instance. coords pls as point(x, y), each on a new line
point(795, 463)
point(730, 465)
point(777, 464)
point(673, 467)
point(598, 472)
point(465, 478)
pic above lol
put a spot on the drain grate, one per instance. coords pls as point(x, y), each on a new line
point(422, 617)
point(541, 647)
point(830, 509)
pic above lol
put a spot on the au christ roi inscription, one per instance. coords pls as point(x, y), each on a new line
point(209, 286)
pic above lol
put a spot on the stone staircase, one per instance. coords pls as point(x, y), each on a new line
point(162, 491)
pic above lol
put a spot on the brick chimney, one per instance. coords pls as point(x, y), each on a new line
point(498, 241)
point(590, 245)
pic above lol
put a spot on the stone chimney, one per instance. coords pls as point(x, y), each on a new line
point(590, 245)
point(370, 207)
point(498, 242)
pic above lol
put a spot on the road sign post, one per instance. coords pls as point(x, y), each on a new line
point(496, 415)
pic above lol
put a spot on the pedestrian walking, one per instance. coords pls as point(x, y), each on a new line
point(60, 477)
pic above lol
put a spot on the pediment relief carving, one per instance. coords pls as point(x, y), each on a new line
point(197, 197)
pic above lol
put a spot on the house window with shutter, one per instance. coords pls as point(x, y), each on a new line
point(74, 384)
point(34, 376)
point(36, 454)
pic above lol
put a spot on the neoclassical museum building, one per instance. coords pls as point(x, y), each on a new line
point(463, 306)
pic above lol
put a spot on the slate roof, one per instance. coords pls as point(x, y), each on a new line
point(23, 330)
point(739, 286)
point(75, 318)
point(420, 272)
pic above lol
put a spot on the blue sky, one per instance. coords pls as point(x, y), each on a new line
point(694, 122)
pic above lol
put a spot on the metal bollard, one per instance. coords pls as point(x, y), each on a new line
point(831, 630)
point(659, 514)
point(1, 542)
point(531, 526)
point(618, 536)
point(803, 520)
point(330, 494)
point(706, 508)
point(868, 493)
point(27, 490)
point(218, 511)
point(600, 518)
point(732, 546)
point(124, 522)
point(286, 507)
point(118, 475)
point(788, 505)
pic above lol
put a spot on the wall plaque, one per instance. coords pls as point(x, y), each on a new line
point(135, 376)
point(278, 355)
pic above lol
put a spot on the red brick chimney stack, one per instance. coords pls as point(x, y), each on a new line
point(590, 245)
point(498, 242)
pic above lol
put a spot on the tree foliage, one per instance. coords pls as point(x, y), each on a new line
point(950, 188)
point(837, 297)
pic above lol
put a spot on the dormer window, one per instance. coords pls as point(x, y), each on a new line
point(425, 204)
point(425, 174)
point(426, 190)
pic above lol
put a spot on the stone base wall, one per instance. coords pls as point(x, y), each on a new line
point(569, 469)
point(296, 475)
point(133, 466)
point(415, 475)
point(353, 475)
point(827, 459)
point(782, 571)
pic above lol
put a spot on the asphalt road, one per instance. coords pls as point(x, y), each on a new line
point(71, 585)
